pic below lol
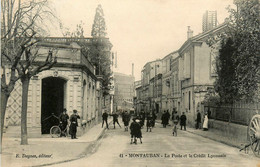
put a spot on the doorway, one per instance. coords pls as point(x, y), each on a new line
point(53, 89)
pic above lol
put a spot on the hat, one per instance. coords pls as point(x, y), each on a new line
point(75, 111)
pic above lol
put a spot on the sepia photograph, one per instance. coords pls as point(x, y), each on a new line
point(130, 83)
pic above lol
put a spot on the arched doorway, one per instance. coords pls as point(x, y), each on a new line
point(53, 94)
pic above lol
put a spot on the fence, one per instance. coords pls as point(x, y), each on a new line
point(239, 112)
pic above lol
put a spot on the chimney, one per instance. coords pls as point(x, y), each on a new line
point(132, 69)
point(189, 33)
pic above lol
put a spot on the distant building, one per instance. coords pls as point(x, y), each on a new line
point(124, 91)
point(209, 20)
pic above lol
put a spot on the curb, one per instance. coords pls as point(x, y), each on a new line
point(90, 149)
point(211, 138)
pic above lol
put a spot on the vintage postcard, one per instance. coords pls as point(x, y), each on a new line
point(147, 83)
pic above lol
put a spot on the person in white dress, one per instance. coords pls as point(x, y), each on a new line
point(205, 123)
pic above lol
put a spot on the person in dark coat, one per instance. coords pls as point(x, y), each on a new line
point(183, 119)
point(115, 119)
point(135, 128)
point(63, 122)
point(73, 124)
point(104, 118)
point(167, 117)
point(164, 119)
point(198, 120)
point(149, 122)
point(154, 116)
point(142, 117)
point(126, 120)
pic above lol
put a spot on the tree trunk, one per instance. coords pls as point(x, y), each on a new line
point(25, 85)
point(4, 100)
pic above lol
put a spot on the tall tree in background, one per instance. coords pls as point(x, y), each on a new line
point(99, 25)
point(99, 52)
point(22, 23)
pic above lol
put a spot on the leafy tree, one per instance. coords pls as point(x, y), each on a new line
point(99, 25)
point(22, 23)
point(241, 41)
point(225, 84)
point(245, 23)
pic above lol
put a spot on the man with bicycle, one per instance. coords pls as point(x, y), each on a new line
point(63, 122)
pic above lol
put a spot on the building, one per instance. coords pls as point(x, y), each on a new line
point(138, 103)
point(209, 20)
point(124, 91)
point(150, 73)
point(70, 84)
point(181, 79)
point(167, 98)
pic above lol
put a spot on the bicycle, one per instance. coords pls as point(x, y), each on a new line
point(55, 131)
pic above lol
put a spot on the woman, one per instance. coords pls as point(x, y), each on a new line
point(205, 123)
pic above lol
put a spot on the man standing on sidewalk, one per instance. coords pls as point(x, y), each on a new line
point(63, 122)
point(73, 124)
point(104, 118)
point(198, 120)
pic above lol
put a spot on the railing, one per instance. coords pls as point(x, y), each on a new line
point(240, 112)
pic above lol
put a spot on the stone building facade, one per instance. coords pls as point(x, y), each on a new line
point(70, 84)
point(124, 91)
point(188, 76)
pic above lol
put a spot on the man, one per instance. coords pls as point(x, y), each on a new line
point(73, 124)
point(115, 119)
point(183, 121)
point(198, 120)
point(104, 118)
point(126, 119)
point(164, 119)
point(63, 122)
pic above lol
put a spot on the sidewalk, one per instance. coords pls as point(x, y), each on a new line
point(47, 151)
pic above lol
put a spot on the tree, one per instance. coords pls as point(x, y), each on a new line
point(240, 47)
point(100, 49)
point(99, 25)
point(22, 23)
point(245, 23)
point(225, 84)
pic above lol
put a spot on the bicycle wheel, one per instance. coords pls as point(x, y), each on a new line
point(55, 131)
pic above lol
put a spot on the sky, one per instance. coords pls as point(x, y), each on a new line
point(140, 30)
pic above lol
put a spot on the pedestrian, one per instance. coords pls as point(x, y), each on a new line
point(133, 130)
point(174, 130)
point(205, 123)
point(154, 116)
point(164, 119)
point(198, 120)
point(63, 122)
point(126, 120)
point(142, 118)
point(167, 117)
point(104, 118)
point(183, 119)
point(115, 119)
point(149, 122)
point(73, 124)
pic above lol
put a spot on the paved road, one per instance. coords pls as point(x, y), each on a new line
point(160, 148)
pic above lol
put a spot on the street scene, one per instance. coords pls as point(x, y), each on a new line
point(130, 83)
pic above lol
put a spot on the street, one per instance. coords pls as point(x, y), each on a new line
point(160, 148)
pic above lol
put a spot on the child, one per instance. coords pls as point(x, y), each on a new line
point(174, 130)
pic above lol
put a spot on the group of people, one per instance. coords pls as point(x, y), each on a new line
point(73, 119)
point(205, 121)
